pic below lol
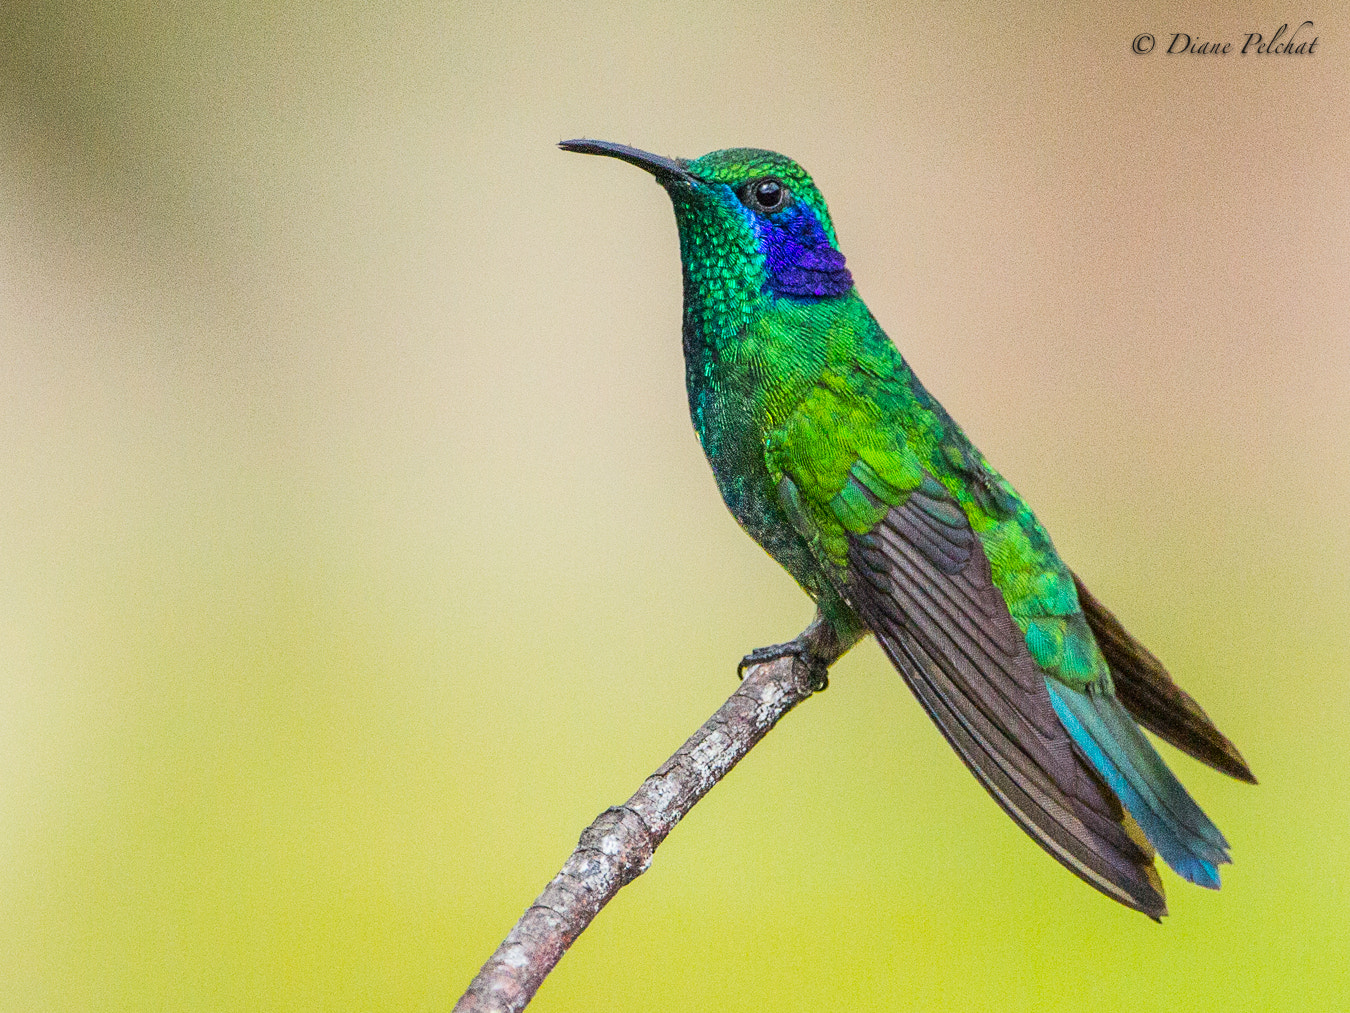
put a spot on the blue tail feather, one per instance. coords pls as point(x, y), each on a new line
point(1180, 831)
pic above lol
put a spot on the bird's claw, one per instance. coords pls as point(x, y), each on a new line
point(817, 669)
point(771, 653)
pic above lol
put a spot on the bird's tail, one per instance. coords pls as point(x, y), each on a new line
point(1182, 834)
point(1152, 698)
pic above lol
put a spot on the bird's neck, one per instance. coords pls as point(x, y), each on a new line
point(751, 358)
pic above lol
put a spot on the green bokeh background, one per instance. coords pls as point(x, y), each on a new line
point(355, 549)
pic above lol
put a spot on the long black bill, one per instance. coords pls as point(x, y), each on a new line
point(664, 169)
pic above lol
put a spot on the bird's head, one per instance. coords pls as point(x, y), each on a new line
point(752, 223)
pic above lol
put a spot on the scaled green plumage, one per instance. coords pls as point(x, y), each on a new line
point(834, 457)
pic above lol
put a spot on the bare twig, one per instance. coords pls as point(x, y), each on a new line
point(618, 846)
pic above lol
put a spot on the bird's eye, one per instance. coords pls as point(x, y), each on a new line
point(765, 195)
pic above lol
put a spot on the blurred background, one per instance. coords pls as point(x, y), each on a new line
point(356, 550)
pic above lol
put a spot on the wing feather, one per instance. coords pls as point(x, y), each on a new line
point(922, 582)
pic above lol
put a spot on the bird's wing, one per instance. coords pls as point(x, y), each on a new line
point(902, 552)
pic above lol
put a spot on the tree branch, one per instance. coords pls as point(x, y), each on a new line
point(618, 846)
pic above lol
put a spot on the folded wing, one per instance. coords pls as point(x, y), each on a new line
point(920, 579)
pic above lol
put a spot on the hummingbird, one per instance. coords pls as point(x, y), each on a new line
point(833, 456)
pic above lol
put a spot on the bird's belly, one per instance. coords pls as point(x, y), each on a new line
point(734, 446)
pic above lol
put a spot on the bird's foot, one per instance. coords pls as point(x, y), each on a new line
point(817, 668)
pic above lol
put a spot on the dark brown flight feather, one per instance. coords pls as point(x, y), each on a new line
point(922, 583)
